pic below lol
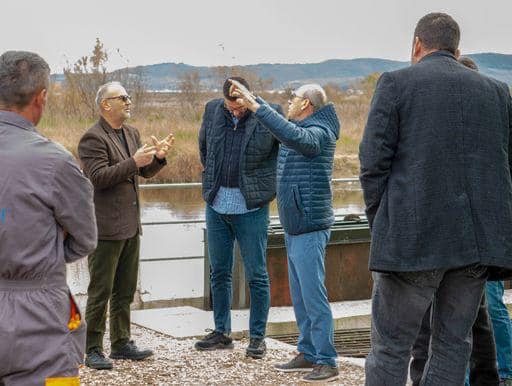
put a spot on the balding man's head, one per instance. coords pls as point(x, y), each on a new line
point(114, 103)
point(305, 101)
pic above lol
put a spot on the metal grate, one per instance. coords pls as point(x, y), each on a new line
point(350, 343)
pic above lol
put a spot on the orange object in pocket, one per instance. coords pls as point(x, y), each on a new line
point(74, 318)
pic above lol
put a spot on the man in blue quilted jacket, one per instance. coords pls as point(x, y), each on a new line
point(304, 199)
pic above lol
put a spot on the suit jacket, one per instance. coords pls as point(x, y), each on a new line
point(435, 168)
point(114, 176)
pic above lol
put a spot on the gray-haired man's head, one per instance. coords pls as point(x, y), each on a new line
point(24, 77)
point(114, 102)
point(305, 101)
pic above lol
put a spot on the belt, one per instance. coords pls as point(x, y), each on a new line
point(33, 284)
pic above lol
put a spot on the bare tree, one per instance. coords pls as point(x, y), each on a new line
point(87, 74)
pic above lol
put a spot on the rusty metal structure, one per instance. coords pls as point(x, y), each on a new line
point(346, 266)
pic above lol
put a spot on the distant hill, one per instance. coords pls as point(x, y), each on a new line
point(165, 76)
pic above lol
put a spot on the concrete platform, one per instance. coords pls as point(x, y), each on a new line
point(186, 322)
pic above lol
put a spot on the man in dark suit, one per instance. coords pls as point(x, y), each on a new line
point(112, 157)
point(436, 179)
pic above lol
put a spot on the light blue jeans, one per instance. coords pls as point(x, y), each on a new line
point(306, 274)
point(502, 327)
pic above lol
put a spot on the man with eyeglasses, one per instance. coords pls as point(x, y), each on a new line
point(239, 158)
point(113, 157)
point(304, 199)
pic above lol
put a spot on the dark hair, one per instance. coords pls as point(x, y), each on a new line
point(22, 75)
point(438, 31)
point(227, 85)
point(468, 62)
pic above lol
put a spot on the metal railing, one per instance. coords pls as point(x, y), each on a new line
point(187, 185)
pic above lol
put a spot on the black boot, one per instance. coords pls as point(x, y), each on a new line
point(256, 349)
point(96, 360)
point(130, 351)
point(214, 341)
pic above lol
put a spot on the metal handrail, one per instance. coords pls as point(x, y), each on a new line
point(203, 220)
point(185, 185)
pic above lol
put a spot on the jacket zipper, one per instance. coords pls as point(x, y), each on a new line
point(228, 177)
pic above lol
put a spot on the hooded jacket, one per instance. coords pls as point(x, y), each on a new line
point(304, 167)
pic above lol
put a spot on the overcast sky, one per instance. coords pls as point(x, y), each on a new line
point(231, 32)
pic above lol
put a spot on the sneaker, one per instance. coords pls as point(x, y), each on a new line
point(256, 349)
point(322, 373)
point(96, 360)
point(130, 351)
point(214, 341)
point(297, 364)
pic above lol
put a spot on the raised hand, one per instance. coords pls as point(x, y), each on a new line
point(162, 147)
point(144, 155)
point(243, 95)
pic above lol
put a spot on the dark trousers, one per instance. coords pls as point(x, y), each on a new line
point(482, 365)
point(113, 270)
point(400, 301)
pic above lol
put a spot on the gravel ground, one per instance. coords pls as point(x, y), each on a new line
point(176, 362)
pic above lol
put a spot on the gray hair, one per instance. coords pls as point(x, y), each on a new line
point(22, 75)
point(315, 93)
point(100, 95)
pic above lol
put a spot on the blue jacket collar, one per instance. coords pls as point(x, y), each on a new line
point(325, 117)
point(14, 119)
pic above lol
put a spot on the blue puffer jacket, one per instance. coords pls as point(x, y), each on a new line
point(304, 167)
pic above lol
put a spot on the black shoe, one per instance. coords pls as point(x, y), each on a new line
point(256, 349)
point(322, 373)
point(130, 351)
point(96, 360)
point(299, 363)
point(214, 341)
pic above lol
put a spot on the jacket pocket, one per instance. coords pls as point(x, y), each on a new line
point(291, 210)
point(76, 333)
point(7, 334)
point(297, 199)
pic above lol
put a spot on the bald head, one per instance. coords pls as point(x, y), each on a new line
point(314, 93)
point(114, 103)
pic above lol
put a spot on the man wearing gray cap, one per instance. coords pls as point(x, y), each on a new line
point(47, 220)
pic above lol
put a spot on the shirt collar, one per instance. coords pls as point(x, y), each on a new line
point(15, 119)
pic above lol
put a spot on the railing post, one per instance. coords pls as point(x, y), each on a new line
point(207, 302)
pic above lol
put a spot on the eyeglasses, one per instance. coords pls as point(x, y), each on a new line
point(293, 96)
point(124, 98)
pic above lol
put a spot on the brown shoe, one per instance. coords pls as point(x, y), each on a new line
point(322, 373)
point(297, 364)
